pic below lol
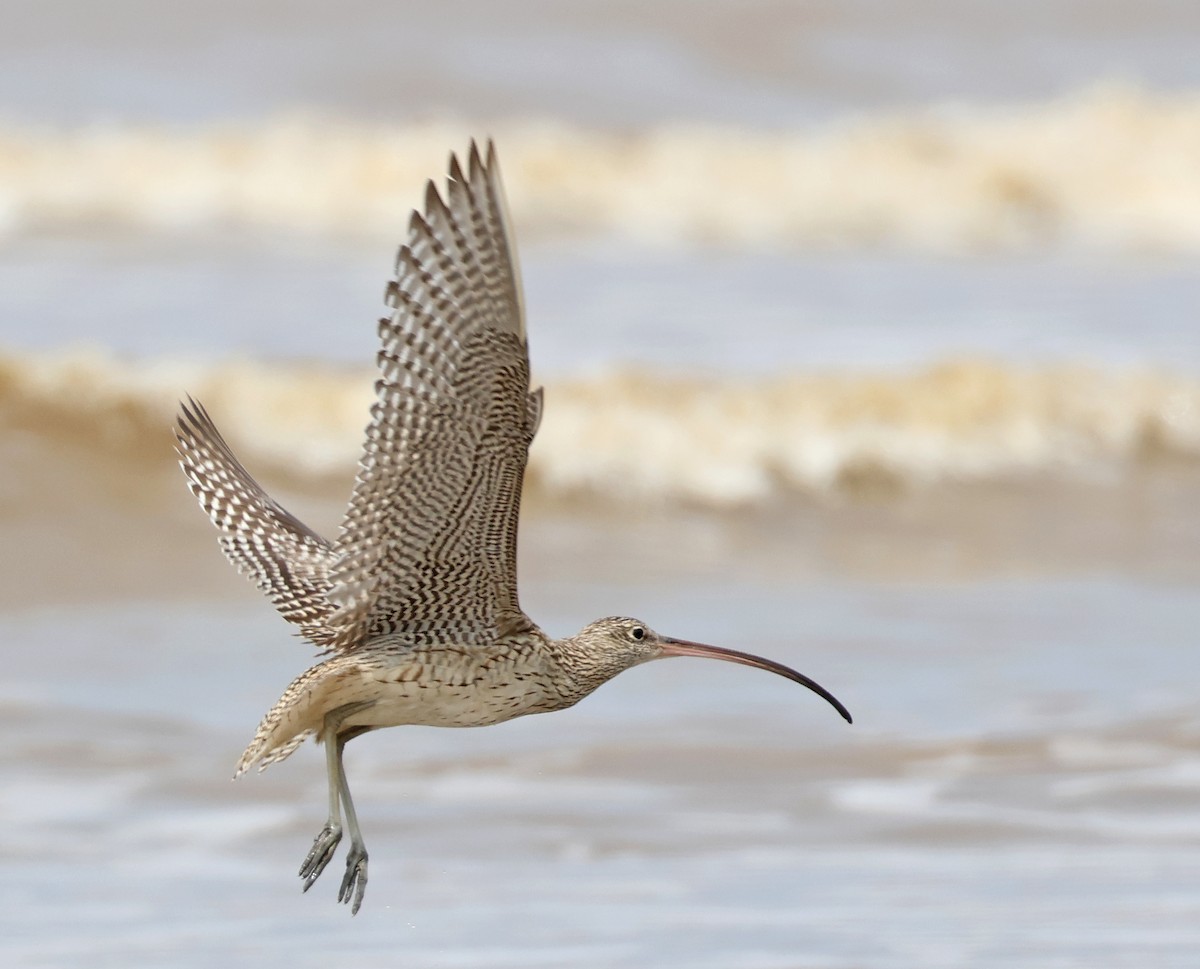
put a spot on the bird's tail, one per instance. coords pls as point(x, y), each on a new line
point(295, 717)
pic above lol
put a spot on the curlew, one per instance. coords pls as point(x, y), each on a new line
point(415, 603)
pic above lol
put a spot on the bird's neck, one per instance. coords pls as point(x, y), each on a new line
point(578, 669)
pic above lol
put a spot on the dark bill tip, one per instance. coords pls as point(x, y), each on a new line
point(681, 647)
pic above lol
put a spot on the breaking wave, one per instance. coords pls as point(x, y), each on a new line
point(1106, 168)
point(634, 436)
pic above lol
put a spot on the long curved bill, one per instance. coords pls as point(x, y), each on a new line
point(681, 647)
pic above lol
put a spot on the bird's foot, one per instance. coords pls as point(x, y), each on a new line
point(321, 853)
point(355, 881)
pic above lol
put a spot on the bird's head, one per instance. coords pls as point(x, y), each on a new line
point(606, 647)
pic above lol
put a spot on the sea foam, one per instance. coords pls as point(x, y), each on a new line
point(637, 436)
point(1106, 168)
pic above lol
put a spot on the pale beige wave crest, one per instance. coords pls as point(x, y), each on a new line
point(1110, 168)
point(634, 436)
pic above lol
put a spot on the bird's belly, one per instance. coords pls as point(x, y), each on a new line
point(462, 701)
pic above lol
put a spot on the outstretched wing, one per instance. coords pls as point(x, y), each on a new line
point(428, 544)
point(286, 559)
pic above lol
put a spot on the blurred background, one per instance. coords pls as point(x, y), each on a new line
point(869, 332)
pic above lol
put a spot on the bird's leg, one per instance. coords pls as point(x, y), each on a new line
point(354, 883)
point(326, 841)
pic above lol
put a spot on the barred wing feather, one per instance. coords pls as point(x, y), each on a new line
point(428, 544)
point(287, 560)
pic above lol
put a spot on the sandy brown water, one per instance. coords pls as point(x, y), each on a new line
point(1020, 787)
point(76, 512)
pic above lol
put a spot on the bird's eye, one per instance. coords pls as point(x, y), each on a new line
point(637, 632)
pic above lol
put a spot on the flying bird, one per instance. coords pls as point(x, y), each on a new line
point(415, 605)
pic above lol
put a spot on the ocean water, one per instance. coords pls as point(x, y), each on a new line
point(870, 343)
point(997, 801)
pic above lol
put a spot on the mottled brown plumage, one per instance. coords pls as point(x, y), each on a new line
point(416, 601)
